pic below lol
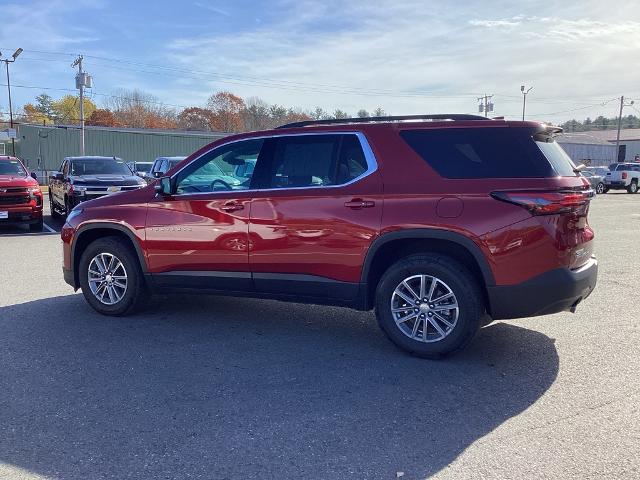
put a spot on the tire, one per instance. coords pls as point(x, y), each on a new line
point(52, 208)
point(600, 188)
point(463, 322)
point(67, 206)
point(633, 187)
point(606, 190)
point(135, 292)
point(37, 227)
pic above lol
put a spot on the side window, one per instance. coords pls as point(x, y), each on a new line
point(487, 153)
point(217, 171)
point(316, 161)
point(65, 168)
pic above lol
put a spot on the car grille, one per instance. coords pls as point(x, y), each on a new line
point(13, 190)
point(13, 199)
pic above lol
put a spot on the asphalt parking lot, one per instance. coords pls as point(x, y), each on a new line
point(222, 388)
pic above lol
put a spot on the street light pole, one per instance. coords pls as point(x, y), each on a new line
point(622, 105)
point(524, 99)
point(7, 62)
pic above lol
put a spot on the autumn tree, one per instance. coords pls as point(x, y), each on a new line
point(195, 118)
point(67, 109)
point(33, 115)
point(137, 109)
point(103, 117)
point(227, 111)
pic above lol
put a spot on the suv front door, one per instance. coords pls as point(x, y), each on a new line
point(198, 236)
point(318, 209)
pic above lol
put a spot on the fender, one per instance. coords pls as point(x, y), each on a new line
point(434, 234)
point(109, 226)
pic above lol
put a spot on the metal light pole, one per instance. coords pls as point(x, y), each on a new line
point(7, 62)
point(524, 98)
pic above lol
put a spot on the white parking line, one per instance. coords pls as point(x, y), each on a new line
point(48, 228)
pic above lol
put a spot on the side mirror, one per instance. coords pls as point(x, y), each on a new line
point(34, 176)
point(163, 187)
point(57, 176)
point(157, 174)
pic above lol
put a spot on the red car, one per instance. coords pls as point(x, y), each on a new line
point(20, 195)
point(441, 223)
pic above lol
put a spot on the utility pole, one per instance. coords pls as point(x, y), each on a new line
point(622, 105)
point(82, 80)
point(524, 98)
point(7, 62)
point(486, 105)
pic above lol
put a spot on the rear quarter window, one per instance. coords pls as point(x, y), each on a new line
point(481, 152)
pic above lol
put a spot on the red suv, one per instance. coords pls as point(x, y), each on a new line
point(441, 223)
point(20, 195)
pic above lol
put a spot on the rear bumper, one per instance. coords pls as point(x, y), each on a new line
point(552, 292)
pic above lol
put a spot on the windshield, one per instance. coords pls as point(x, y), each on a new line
point(623, 166)
point(99, 166)
point(143, 167)
point(12, 167)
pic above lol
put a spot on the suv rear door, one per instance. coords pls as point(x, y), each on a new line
point(198, 237)
point(317, 210)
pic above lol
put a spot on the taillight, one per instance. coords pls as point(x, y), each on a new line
point(547, 202)
point(624, 175)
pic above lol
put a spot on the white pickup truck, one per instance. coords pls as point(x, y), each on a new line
point(623, 176)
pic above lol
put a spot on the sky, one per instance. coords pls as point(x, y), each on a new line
point(405, 56)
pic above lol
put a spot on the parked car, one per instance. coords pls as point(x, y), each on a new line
point(439, 223)
point(142, 169)
point(623, 176)
point(85, 178)
point(20, 195)
point(162, 165)
point(602, 171)
point(596, 181)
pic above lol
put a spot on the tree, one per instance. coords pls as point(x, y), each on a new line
point(319, 114)
point(195, 118)
point(103, 117)
point(227, 111)
point(379, 112)
point(33, 115)
point(44, 105)
point(339, 114)
point(362, 113)
point(255, 116)
point(67, 109)
point(138, 109)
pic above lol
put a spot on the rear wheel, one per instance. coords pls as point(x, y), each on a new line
point(600, 188)
point(429, 305)
point(606, 190)
point(633, 187)
point(110, 277)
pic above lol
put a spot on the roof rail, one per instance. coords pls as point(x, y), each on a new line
point(333, 121)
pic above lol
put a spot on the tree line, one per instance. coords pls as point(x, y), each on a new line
point(223, 112)
point(600, 123)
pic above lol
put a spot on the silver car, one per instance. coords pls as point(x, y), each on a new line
point(596, 181)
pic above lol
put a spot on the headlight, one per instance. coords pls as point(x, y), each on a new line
point(74, 213)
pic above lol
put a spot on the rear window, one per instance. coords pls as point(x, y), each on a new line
point(488, 153)
point(627, 167)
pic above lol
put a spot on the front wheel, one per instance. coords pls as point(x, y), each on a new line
point(633, 187)
point(110, 277)
point(600, 188)
point(429, 305)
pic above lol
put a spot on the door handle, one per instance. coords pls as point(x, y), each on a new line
point(232, 206)
point(358, 203)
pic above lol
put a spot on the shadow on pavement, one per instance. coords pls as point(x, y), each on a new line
point(205, 387)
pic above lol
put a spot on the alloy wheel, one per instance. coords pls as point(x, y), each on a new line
point(424, 308)
point(107, 278)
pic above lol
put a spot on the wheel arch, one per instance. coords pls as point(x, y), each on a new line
point(88, 233)
point(391, 247)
